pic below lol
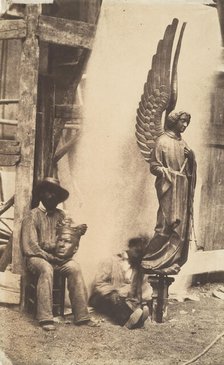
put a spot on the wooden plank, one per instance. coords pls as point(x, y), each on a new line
point(89, 10)
point(3, 241)
point(10, 280)
point(4, 237)
point(68, 112)
point(44, 57)
point(8, 101)
point(9, 147)
point(7, 205)
point(1, 192)
point(211, 228)
point(11, 29)
point(64, 149)
point(215, 135)
point(39, 167)
point(204, 261)
point(58, 126)
point(26, 130)
point(68, 64)
point(10, 288)
point(44, 150)
point(6, 257)
point(2, 249)
point(66, 32)
point(28, 2)
point(9, 160)
point(220, 9)
point(75, 126)
point(8, 122)
point(4, 234)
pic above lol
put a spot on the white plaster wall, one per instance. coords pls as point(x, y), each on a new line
point(113, 191)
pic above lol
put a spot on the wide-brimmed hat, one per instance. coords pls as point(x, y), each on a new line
point(50, 183)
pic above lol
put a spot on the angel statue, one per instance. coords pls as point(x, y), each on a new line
point(170, 159)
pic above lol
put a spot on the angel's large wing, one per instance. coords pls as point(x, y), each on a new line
point(160, 91)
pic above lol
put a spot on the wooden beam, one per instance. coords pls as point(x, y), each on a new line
point(10, 285)
point(220, 9)
point(58, 126)
point(64, 149)
point(66, 32)
point(12, 29)
point(4, 235)
point(9, 160)
point(212, 5)
point(44, 151)
point(8, 101)
point(68, 112)
point(3, 241)
point(8, 122)
point(26, 130)
point(215, 136)
point(89, 10)
point(75, 126)
point(6, 257)
point(9, 147)
point(7, 205)
point(44, 58)
point(3, 231)
point(2, 249)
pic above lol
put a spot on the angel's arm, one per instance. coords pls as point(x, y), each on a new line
point(157, 167)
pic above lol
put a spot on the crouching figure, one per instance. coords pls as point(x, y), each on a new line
point(112, 292)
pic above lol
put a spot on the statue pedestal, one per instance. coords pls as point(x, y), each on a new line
point(160, 285)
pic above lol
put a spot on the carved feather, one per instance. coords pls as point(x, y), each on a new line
point(160, 91)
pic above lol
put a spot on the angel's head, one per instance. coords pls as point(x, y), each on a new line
point(178, 121)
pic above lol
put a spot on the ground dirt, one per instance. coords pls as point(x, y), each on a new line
point(188, 329)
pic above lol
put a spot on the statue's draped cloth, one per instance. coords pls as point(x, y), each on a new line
point(175, 191)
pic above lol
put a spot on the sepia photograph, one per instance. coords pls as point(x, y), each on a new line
point(111, 182)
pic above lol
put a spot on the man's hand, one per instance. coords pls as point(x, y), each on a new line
point(58, 261)
point(81, 229)
point(48, 257)
point(54, 259)
point(115, 297)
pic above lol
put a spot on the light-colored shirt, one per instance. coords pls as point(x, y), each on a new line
point(39, 231)
point(115, 274)
point(126, 267)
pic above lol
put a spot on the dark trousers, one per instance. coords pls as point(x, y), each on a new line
point(119, 311)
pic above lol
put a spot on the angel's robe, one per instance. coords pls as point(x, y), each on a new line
point(175, 185)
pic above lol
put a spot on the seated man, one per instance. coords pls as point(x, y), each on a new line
point(111, 290)
point(42, 257)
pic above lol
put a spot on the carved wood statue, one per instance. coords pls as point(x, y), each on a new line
point(68, 238)
point(170, 159)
